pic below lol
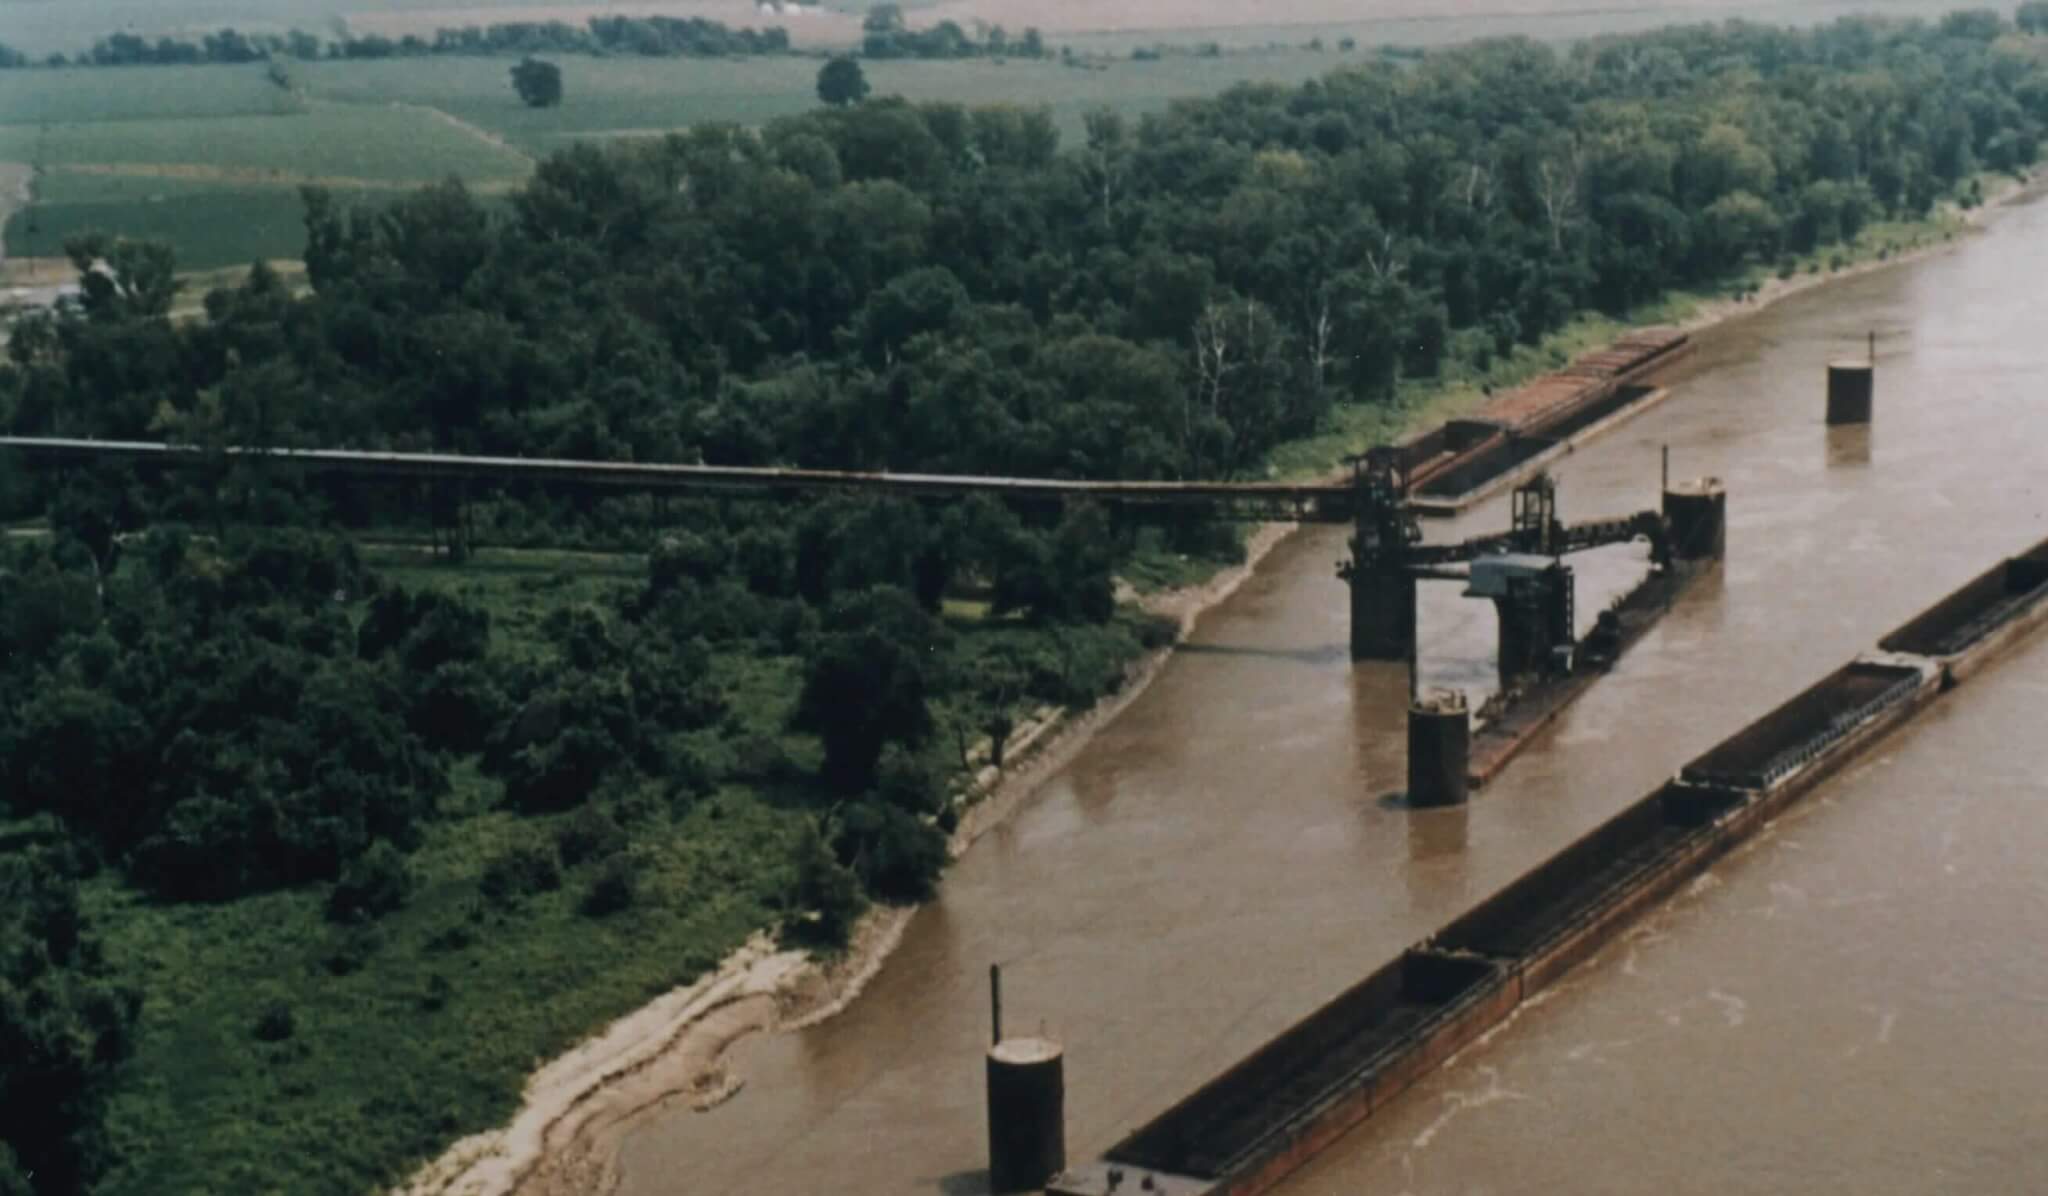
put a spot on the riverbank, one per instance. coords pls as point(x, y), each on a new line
point(578, 1109)
point(2001, 192)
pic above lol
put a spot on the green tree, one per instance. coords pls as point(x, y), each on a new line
point(827, 897)
point(882, 30)
point(842, 83)
point(524, 868)
point(1737, 225)
point(374, 884)
point(68, 1026)
point(867, 682)
point(539, 83)
point(1980, 24)
point(122, 280)
point(897, 855)
point(1084, 554)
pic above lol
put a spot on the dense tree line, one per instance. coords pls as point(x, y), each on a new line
point(647, 37)
point(201, 716)
point(219, 715)
point(885, 33)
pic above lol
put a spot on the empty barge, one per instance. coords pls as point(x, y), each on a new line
point(1247, 1129)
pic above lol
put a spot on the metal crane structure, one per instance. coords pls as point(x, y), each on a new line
point(1521, 570)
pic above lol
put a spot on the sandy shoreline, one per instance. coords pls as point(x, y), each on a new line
point(578, 1108)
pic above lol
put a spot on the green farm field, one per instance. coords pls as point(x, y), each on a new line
point(327, 141)
point(610, 97)
point(212, 225)
point(157, 94)
point(210, 158)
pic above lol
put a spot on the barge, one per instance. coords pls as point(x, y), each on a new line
point(1244, 1131)
point(1457, 464)
point(1518, 716)
point(1998, 606)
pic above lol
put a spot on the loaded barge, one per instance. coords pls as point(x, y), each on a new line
point(1457, 464)
point(1247, 1129)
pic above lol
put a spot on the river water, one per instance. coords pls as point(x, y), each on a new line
point(1853, 1004)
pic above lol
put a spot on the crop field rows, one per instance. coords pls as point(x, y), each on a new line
point(210, 158)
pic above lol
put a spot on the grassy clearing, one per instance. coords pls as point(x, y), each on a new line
point(517, 587)
point(1156, 564)
point(328, 141)
point(88, 94)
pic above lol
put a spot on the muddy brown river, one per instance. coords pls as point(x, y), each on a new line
point(1854, 1003)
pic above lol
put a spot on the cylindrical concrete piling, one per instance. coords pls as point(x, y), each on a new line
point(1027, 1095)
point(1697, 515)
point(1439, 750)
point(1382, 614)
point(1851, 388)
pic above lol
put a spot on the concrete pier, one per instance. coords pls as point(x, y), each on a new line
point(1851, 387)
point(1027, 1092)
point(1439, 750)
point(1382, 614)
point(1696, 514)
